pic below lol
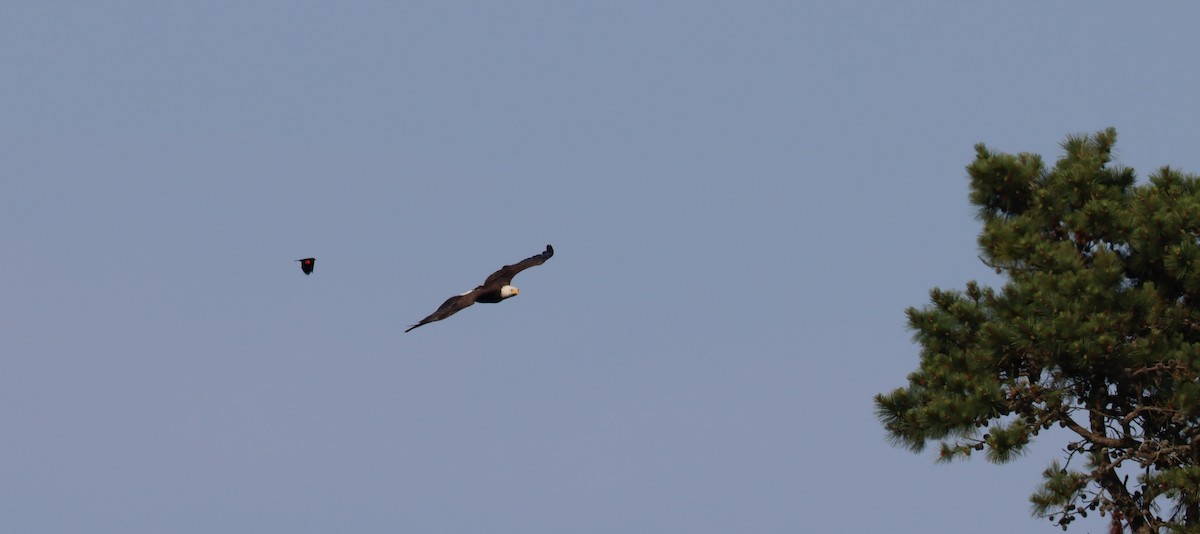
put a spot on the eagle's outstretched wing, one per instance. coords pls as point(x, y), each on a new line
point(505, 275)
point(450, 307)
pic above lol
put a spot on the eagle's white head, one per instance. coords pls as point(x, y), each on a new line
point(508, 291)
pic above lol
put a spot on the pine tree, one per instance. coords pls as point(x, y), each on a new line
point(1096, 329)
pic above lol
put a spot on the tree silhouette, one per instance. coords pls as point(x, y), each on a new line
point(1096, 329)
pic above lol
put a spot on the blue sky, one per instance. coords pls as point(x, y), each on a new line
point(743, 197)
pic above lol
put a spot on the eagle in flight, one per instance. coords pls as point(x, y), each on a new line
point(496, 288)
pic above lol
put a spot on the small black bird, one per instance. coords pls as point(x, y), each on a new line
point(306, 265)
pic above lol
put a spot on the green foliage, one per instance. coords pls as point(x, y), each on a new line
point(1096, 329)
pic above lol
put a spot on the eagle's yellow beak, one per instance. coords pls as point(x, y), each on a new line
point(516, 291)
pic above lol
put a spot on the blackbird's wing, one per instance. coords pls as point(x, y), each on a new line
point(307, 264)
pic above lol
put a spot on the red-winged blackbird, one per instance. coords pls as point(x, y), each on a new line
point(306, 265)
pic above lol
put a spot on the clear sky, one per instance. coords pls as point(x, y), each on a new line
point(743, 196)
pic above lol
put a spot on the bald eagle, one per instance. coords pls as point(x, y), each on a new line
point(306, 265)
point(496, 288)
